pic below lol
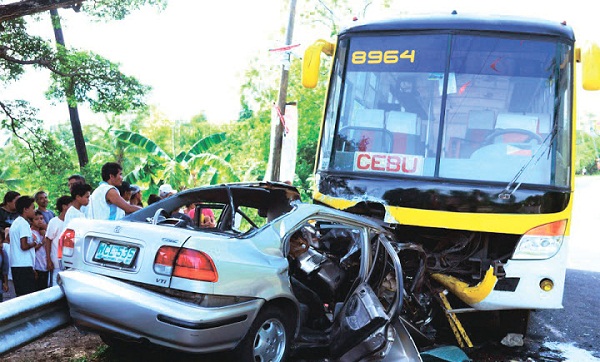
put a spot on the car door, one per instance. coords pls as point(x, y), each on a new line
point(360, 326)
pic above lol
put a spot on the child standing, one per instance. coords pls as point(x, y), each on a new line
point(38, 230)
point(22, 250)
point(55, 227)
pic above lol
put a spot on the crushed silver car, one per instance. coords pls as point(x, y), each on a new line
point(270, 279)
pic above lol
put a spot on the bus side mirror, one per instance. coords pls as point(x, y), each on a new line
point(312, 61)
point(590, 67)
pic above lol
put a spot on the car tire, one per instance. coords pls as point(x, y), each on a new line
point(268, 339)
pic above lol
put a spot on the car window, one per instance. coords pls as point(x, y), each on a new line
point(248, 218)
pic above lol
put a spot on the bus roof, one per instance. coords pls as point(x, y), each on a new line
point(467, 23)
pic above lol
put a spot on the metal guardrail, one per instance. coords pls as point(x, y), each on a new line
point(29, 317)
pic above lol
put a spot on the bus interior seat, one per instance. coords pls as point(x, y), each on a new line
point(367, 132)
point(368, 118)
point(404, 127)
point(480, 124)
point(517, 121)
point(544, 126)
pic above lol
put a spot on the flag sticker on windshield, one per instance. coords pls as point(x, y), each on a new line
point(516, 151)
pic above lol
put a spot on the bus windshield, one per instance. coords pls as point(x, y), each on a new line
point(451, 106)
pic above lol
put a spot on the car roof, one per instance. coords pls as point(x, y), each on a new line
point(259, 195)
point(253, 194)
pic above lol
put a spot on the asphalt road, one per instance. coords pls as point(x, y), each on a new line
point(573, 333)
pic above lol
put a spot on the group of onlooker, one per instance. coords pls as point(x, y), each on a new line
point(30, 235)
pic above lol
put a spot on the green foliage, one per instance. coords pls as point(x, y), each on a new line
point(186, 169)
point(19, 49)
point(42, 159)
point(85, 77)
point(310, 113)
point(248, 143)
point(118, 9)
point(9, 178)
point(587, 153)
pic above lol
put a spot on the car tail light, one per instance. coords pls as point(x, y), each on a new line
point(66, 243)
point(185, 263)
point(164, 259)
point(541, 242)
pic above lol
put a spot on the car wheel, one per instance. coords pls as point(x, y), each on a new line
point(268, 338)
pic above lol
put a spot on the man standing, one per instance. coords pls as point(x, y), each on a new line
point(8, 211)
point(22, 251)
point(41, 199)
point(106, 199)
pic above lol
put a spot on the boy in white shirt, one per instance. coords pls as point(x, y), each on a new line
point(22, 251)
point(55, 227)
point(81, 197)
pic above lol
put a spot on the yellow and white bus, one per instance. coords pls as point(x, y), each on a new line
point(459, 132)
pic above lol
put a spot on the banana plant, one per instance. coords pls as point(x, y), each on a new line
point(189, 168)
point(9, 179)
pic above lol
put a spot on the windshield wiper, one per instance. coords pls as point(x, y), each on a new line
point(507, 193)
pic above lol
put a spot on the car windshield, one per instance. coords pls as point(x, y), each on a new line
point(457, 106)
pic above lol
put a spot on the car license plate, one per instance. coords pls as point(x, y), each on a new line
point(115, 254)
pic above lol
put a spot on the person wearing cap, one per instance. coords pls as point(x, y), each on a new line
point(136, 196)
point(125, 190)
point(165, 190)
point(106, 200)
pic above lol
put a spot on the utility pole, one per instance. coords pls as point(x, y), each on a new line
point(281, 102)
point(73, 112)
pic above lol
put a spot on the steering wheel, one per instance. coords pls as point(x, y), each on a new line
point(156, 219)
point(499, 132)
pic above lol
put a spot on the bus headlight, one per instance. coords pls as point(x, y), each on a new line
point(542, 242)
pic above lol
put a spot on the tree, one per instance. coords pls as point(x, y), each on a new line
point(77, 76)
point(587, 152)
point(186, 169)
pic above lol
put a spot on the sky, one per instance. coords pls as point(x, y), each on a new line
point(194, 53)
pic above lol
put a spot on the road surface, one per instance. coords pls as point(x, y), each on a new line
point(571, 334)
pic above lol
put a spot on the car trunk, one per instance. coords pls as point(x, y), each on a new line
point(125, 250)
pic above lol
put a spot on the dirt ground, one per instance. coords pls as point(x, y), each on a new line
point(67, 344)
